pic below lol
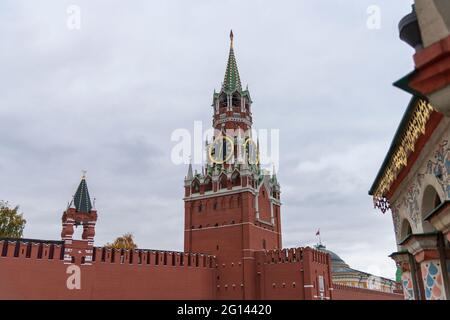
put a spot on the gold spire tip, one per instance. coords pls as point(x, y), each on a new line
point(231, 38)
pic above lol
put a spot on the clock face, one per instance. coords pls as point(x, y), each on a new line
point(251, 149)
point(221, 150)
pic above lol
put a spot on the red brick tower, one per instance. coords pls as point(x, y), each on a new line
point(232, 207)
point(79, 213)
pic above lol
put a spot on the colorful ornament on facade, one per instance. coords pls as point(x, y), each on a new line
point(381, 203)
point(411, 199)
point(432, 280)
point(395, 209)
point(399, 159)
point(407, 284)
point(440, 167)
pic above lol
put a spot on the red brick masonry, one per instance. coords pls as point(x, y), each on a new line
point(36, 270)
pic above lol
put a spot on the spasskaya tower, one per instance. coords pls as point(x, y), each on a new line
point(232, 207)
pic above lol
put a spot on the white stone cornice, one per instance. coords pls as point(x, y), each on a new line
point(232, 119)
point(221, 192)
point(271, 224)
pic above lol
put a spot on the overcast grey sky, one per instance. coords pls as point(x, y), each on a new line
point(106, 98)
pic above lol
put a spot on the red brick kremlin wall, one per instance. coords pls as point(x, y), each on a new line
point(37, 271)
point(292, 274)
point(341, 292)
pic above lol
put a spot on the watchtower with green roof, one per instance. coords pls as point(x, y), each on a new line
point(80, 213)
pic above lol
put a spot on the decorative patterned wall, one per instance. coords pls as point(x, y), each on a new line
point(408, 205)
point(434, 170)
point(411, 200)
point(448, 269)
point(432, 280)
point(395, 209)
point(440, 167)
point(407, 284)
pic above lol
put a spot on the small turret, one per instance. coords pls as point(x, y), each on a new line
point(79, 213)
point(189, 175)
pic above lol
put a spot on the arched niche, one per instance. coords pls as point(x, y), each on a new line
point(223, 181)
point(223, 100)
point(208, 184)
point(236, 99)
point(195, 186)
point(430, 201)
point(405, 229)
point(236, 179)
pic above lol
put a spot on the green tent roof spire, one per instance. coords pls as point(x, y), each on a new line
point(231, 81)
point(81, 199)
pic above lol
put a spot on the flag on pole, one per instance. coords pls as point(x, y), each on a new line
point(318, 235)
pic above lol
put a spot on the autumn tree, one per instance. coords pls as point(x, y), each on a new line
point(124, 242)
point(12, 222)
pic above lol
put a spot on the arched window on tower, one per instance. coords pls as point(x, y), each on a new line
point(223, 101)
point(223, 182)
point(236, 101)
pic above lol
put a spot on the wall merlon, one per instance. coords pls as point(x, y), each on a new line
point(287, 255)
point(152, 257)
point(30, 250)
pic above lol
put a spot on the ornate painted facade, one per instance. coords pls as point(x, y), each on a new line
point(433, 280)
point(414, 127)
point(414, 179)
point(407, 283)
point(440, 166)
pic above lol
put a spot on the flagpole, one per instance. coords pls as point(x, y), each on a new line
point(318, 235)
